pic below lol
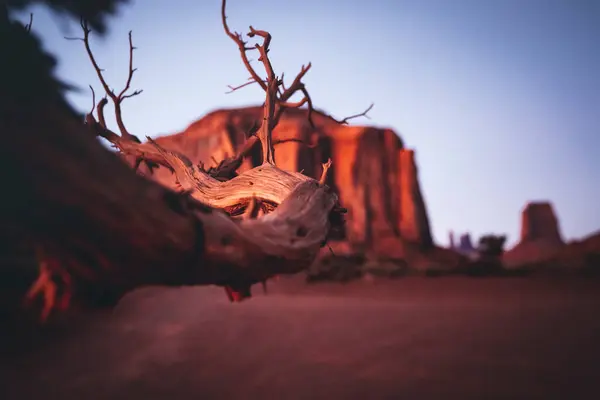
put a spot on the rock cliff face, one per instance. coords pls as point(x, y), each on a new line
point(374, 175)
point(540, 236)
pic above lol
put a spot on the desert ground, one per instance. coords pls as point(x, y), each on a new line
point(412, 338)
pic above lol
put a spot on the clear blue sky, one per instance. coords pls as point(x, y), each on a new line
point(500, 98)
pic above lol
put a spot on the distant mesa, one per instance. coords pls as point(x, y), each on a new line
point(540, 236)
point(464, 246)
point(541, 247)
point(539, 222)
point(580, 256)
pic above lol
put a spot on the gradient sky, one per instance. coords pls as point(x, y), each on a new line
point(500, 98)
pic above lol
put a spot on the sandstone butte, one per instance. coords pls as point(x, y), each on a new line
point(541, 243)
point(540, 236)
point(375, 176)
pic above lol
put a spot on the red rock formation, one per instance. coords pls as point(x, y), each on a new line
point(376, 178)
point(414, 223)
point(576, 256)
point(540, 236)
point(579, 254)
point(538, 221)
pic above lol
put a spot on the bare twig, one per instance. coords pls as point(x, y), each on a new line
point(277, 96)
point(28, 26)
point(99, 127)
point(326, 167)
point(297, 84)
point(117, 99)
point(362, 114)
point(93, 100)
point(237, 38)
point(100, 110)
point(243, 85)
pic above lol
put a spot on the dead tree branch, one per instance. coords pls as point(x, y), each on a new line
point(362, 114)
point(219, 186)
point(28, 25)
point(117, 99)
point(326, 167)
point(127, 231)
point(243, 85)
point(277, 97)
point(116, 229)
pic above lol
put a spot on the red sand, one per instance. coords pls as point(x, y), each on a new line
point(415, 338)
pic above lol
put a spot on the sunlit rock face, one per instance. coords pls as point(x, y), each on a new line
point(374, 175)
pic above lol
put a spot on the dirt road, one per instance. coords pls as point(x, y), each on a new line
point(415, 338)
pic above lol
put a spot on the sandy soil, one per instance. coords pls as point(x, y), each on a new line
point(415, 338)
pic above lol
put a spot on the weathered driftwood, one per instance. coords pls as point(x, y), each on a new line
point(106, 227)
point(111, 227)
